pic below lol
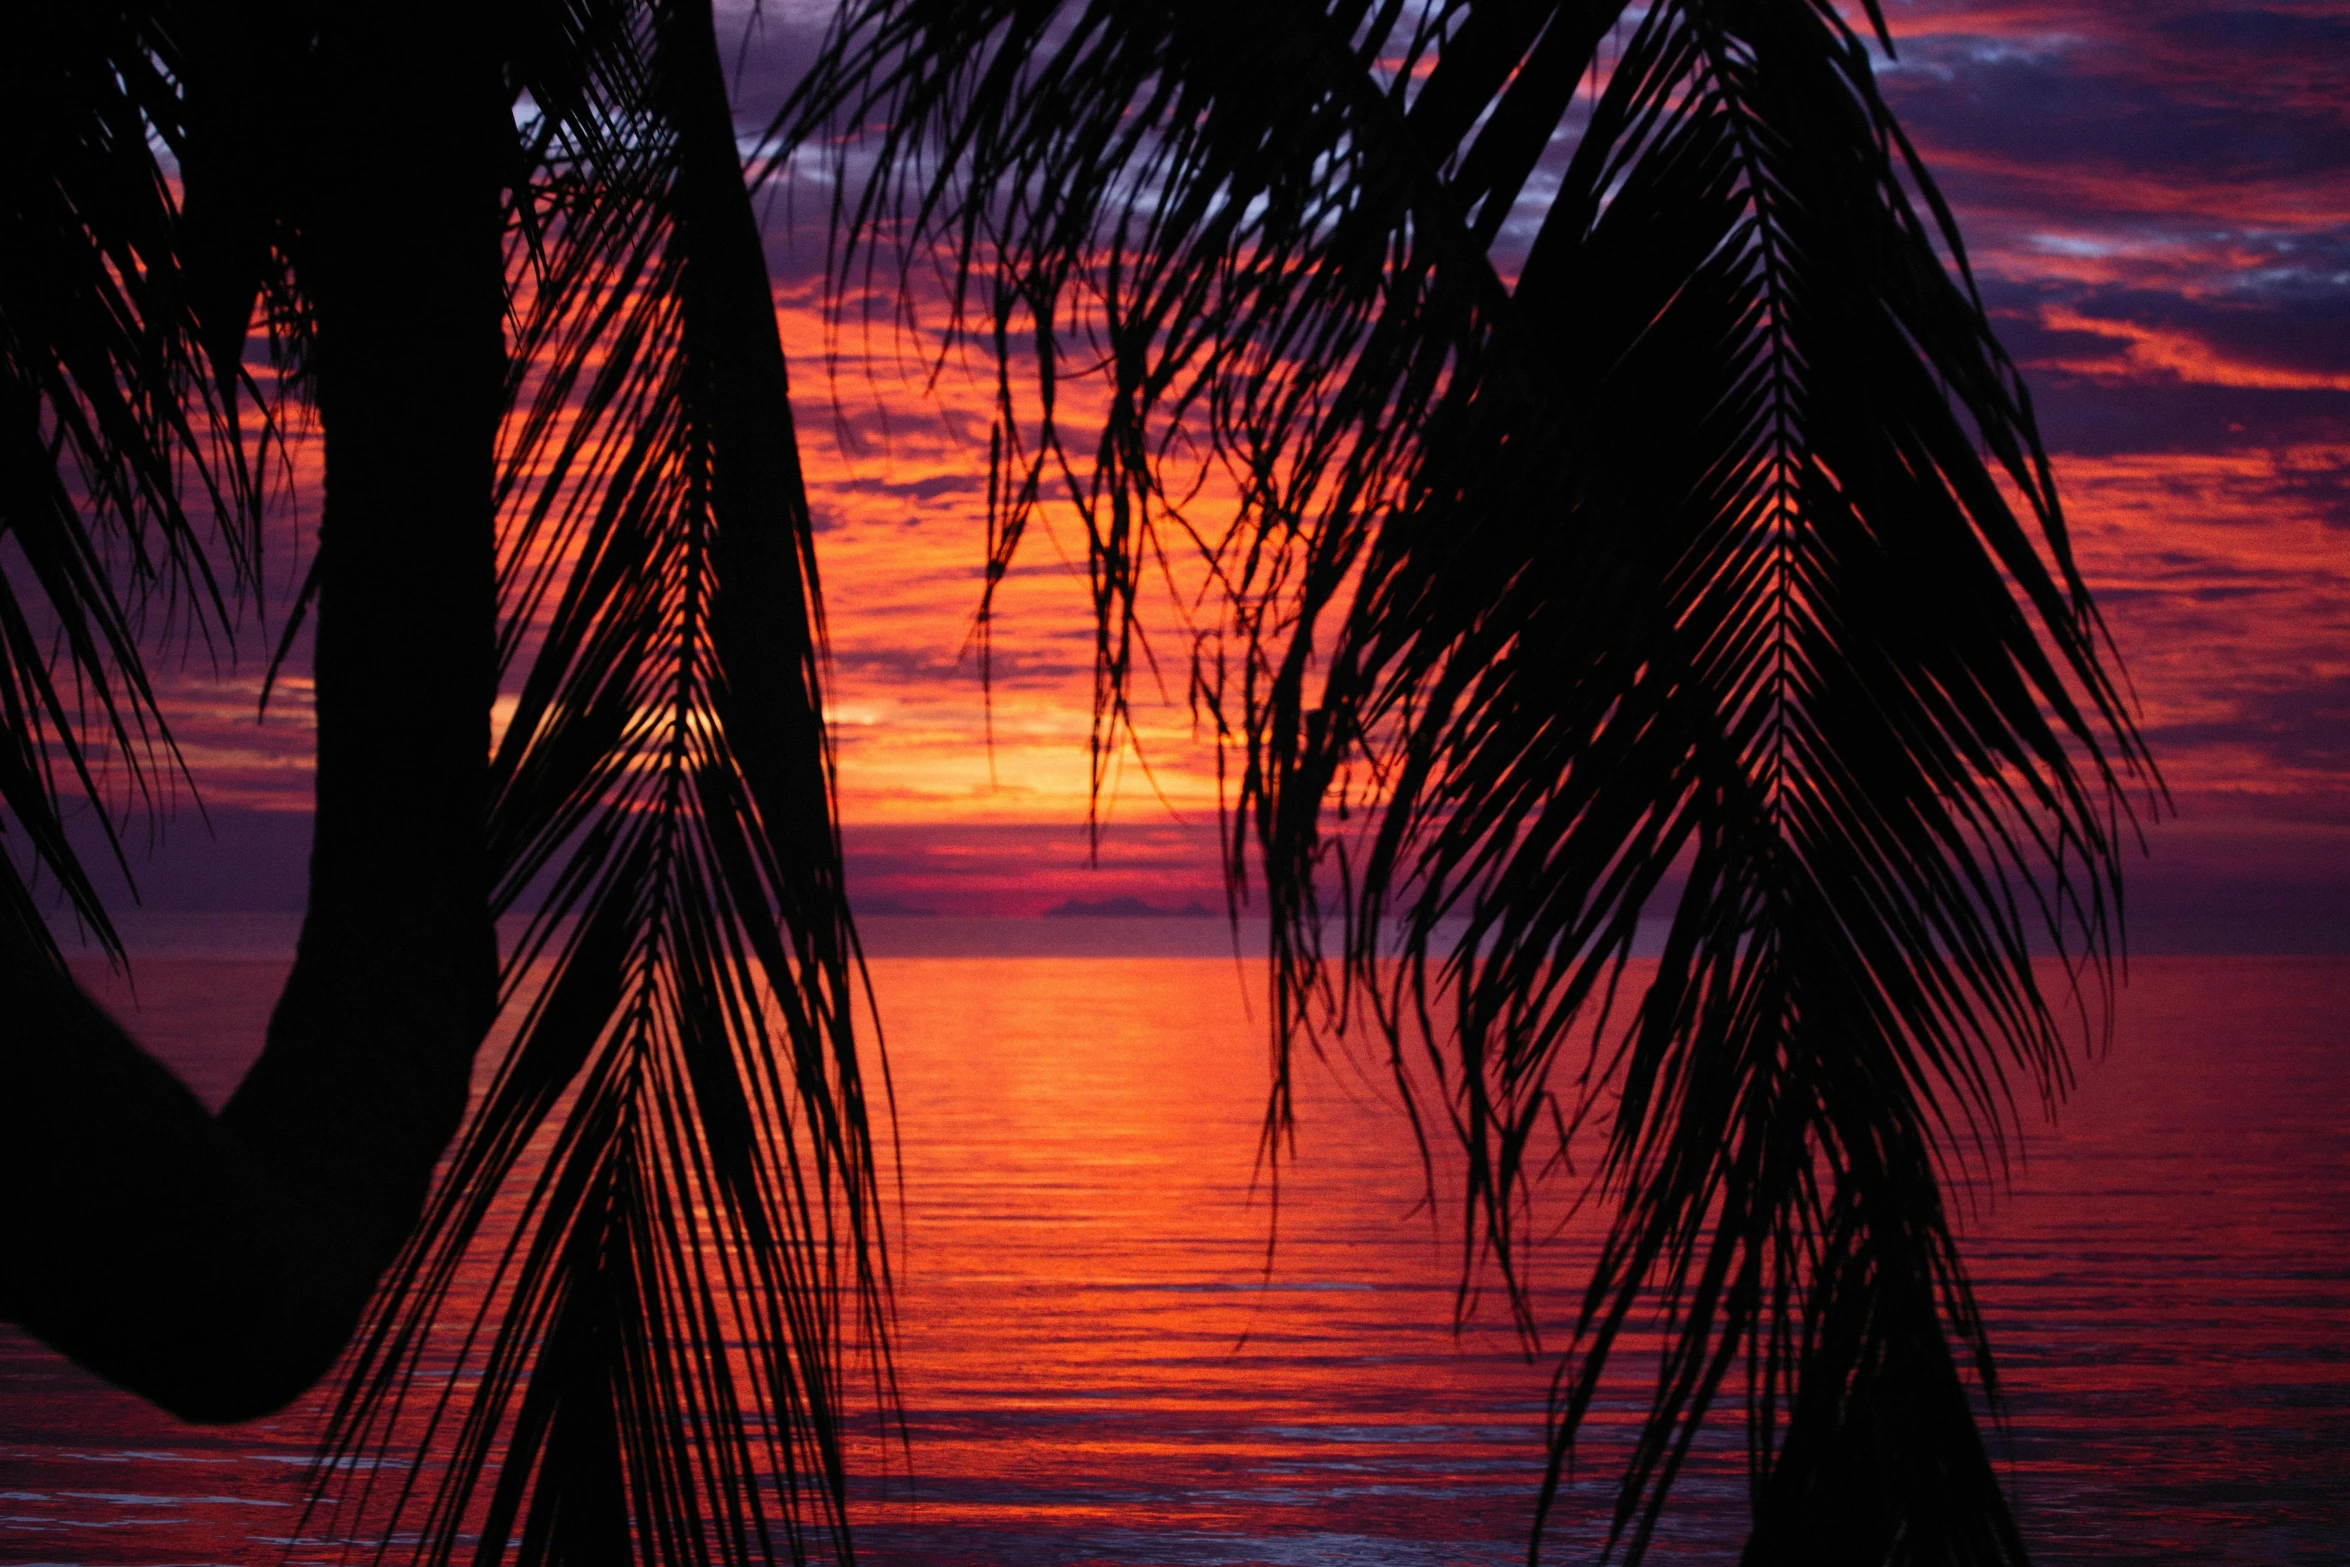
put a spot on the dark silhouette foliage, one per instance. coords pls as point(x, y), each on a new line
point(109, 419)
point(1672, 539)
point(1636, 518)
point(558, 448)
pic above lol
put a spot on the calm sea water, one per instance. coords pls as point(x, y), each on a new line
point(1097, 1366)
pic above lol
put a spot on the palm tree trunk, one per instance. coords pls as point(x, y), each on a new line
point(218, 1265)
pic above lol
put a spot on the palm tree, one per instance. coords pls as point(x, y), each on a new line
point(217, 1265)
point(672, 1324)
point(1677, 539)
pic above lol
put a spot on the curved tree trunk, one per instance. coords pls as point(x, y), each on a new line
point(217, 1265)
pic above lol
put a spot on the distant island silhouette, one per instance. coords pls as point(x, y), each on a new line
point(1123, 908)
point(895, 908)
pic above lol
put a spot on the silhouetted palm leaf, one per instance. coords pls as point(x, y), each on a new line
point(109, 419)
point(1650, 543)
point(672, 1174)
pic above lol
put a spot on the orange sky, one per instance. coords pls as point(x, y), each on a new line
point(2158, 204)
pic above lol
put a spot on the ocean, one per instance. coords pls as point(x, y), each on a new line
point(1115, 1345)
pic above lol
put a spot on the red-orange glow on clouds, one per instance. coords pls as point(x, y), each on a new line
point(897, 479)
point(2134, 351)
point(961, 797)
point(2157, 204)
point(2157, 201)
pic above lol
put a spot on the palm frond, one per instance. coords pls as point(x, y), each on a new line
point(1677, 541)
point(670, 1184)
point(113, 429)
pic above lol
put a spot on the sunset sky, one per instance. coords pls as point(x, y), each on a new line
point(2157, 197)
